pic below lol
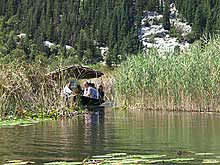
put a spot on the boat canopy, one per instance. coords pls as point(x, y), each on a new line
point(76, 72)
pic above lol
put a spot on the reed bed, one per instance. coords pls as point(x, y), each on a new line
point(25, 89)
point(187, 81)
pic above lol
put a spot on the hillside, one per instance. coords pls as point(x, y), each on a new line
point(89, 29)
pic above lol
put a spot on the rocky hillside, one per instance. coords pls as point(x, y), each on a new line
point(154, 35)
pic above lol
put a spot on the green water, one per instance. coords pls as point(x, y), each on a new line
point(115, 131)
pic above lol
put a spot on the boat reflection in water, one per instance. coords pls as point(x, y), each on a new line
point(94, 132)
point(94, 115)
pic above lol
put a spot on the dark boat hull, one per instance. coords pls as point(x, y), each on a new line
point(97, 108)
point(86, 101)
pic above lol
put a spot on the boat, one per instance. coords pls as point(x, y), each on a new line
point(78, 72)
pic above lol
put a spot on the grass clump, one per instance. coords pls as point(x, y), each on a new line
point(187, 81)
point(25, 90)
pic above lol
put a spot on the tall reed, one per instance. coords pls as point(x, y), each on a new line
point(188, 81)
point(24, 87)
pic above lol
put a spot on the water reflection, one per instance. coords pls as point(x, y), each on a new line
point(113, 131)
point(94, 131)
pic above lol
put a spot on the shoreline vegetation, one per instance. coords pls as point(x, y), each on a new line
point(26, 92)
point(180, 81)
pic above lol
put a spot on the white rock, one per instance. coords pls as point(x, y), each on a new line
point(22, 35)
point(156, 36)
point(48, 44)
point(104, 51)
point(69, 47)
point(150, 45)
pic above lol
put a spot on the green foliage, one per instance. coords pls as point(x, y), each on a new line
point(203, 15)
point(185, 81)
point(84, 25)
point(166, 15)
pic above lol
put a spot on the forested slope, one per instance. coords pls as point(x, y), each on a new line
point(87, 25)
point(202, 14)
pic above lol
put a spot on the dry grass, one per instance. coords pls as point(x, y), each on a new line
point(24, 87)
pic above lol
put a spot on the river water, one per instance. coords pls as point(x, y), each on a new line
point(133, 132)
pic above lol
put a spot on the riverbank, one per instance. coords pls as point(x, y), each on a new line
point(185, 81)
point(26, 91)
point(178, 81)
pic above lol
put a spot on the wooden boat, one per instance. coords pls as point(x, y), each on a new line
point(78, 72)
point(89, 103)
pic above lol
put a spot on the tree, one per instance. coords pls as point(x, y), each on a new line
point(11, 43)
point(166, 16)
point(199, 22)
point(139, 12)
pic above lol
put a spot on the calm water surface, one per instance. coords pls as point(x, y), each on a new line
point(115, 131)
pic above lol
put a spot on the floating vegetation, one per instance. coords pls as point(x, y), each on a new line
point(181, 159)
point(18, 162)
point(117, 154)
point(204, 154)
point(210, 161)
point(102, 156)
point(18, 122)
point(124, 158)
point(63, 163)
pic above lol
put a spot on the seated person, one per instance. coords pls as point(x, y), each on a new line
point(90, 95)
point(101, 93)
point(90, 91)
point(67, 91)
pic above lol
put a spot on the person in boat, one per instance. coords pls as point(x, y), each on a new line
point(101, 93)
point(90, 90)
point(90, 95)
point(67, 91)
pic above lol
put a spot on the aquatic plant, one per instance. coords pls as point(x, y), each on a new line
point(25, 90)
point(186, 81)
point(18, 162)
point(124, 158)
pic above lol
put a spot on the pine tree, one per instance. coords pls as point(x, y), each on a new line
point(82, 44)
point(139, 12)
point(11, 43)
point(166, 16)
point(199, 22)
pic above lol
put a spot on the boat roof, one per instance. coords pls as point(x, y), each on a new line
point(74, 71)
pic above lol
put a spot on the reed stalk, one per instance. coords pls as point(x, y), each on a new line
point(186, 81)
point(25, 88)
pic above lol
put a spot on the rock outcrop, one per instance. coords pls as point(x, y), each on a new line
point(152, 33)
